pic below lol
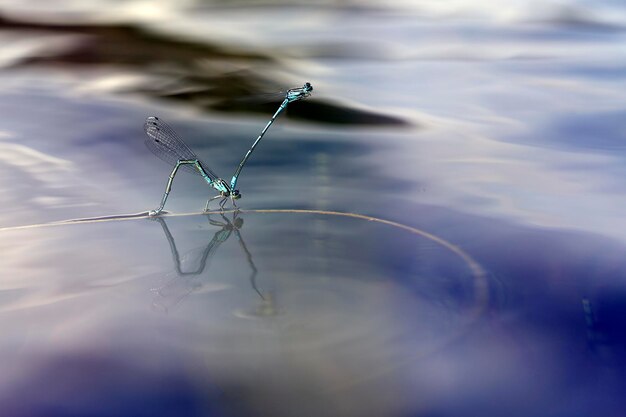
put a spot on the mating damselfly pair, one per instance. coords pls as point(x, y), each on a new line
point(167, 145)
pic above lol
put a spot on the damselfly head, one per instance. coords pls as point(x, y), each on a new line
point(236, 194)
point(296, 94)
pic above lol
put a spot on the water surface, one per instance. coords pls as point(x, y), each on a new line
point(498, 131)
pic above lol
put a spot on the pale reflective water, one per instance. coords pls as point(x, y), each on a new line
point(497, 131)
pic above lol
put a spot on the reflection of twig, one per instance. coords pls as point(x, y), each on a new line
point(185, 278)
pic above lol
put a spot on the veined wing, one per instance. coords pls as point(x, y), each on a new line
point(168, 146)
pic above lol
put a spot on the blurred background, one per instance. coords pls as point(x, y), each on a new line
point(499, 127)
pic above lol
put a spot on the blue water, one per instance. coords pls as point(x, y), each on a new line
point(498, 132)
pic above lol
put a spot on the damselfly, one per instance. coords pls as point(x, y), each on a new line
point(167, 145)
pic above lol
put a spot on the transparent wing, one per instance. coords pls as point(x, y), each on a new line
point(168, 146)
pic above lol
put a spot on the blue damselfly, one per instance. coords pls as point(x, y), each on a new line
point(166, 144)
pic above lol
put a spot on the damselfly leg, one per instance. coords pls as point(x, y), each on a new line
point(206, 208)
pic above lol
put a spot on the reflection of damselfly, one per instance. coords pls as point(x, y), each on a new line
point(167, 145)
point(172, 293)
